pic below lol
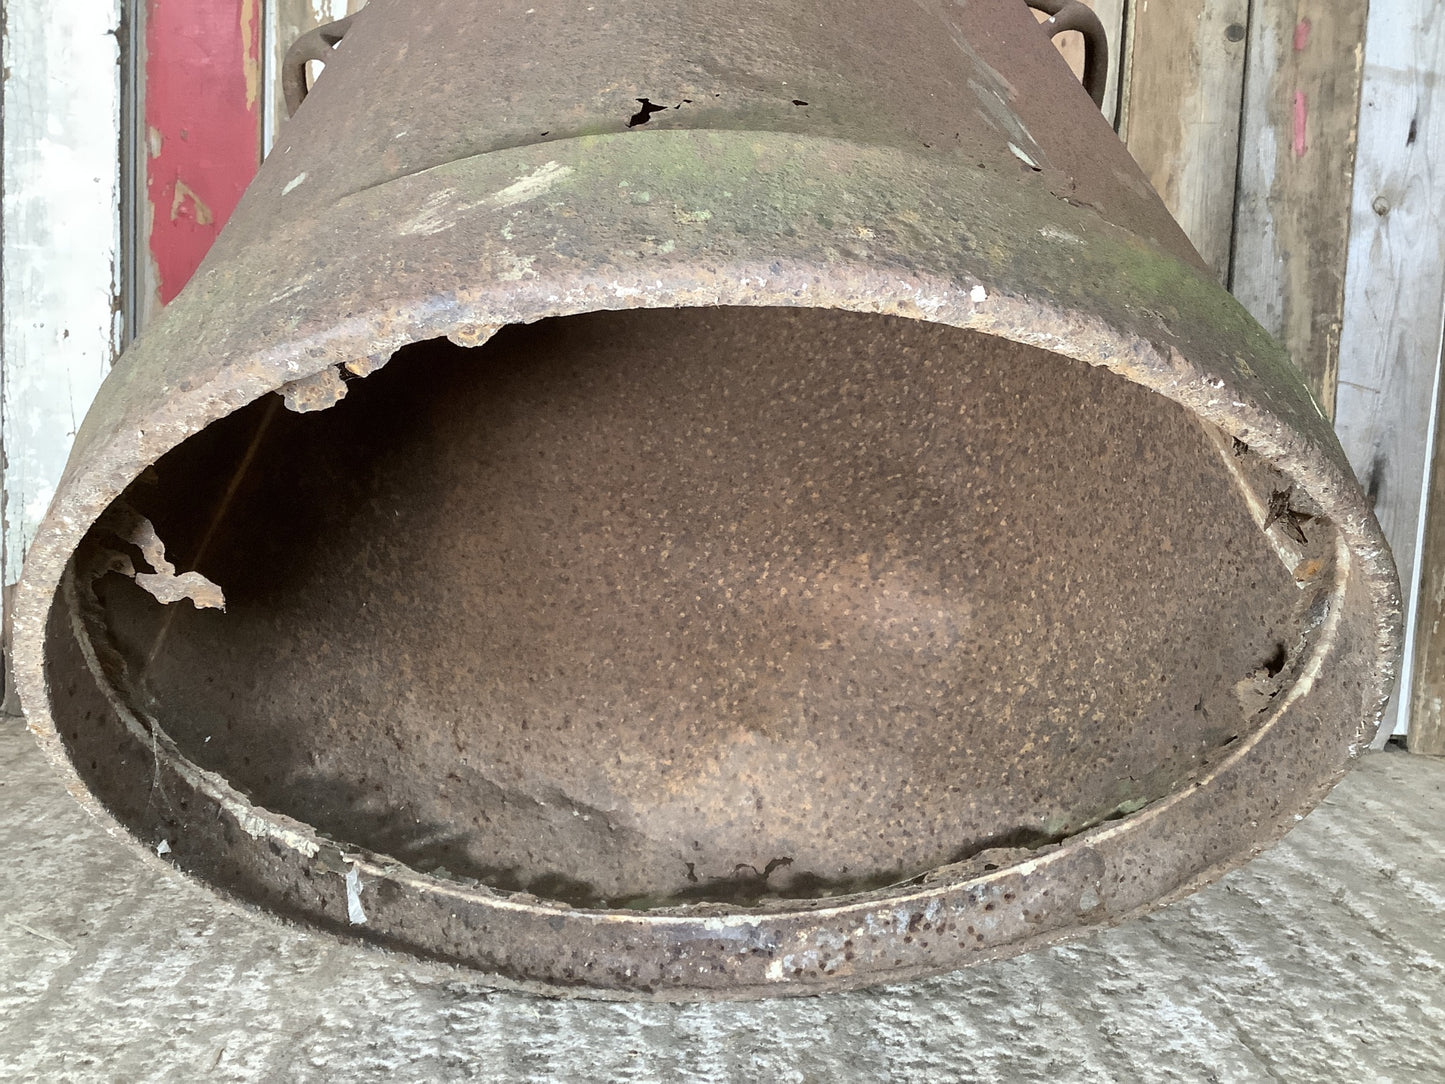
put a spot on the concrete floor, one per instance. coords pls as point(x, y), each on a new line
point(1324, 960)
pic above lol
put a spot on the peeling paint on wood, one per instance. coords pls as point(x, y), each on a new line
point(61, 238)
point(202, 110)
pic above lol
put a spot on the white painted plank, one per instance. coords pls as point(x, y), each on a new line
point(61, 241)
point(1395, 279)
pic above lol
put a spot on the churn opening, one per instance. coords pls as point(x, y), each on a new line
point(638, 609)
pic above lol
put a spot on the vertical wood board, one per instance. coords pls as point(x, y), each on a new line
point(1296, 164)
point(1395, 282)
point(1182, 111)
point(203, 125)
point(60, 257)
point(1426, 732)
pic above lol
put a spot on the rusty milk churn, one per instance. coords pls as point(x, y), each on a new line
point(703, 500)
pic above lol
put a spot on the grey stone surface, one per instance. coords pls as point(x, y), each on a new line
point(1323, 960)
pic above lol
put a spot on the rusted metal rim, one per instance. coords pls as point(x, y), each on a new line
point(1208, 357)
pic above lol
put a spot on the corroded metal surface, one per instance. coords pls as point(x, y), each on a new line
point(887, 548)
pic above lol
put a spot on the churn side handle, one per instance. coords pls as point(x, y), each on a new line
point(313, 45)
point(1063, 15)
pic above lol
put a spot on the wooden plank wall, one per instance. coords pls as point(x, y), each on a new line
point(1243, 115)
point(1297, 153)
point(60, 255)
point(1320, 205)
point(1181, 111)
point(1395, 294)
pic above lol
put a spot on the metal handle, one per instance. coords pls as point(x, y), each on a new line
point(1071, 15)
point(313, 45)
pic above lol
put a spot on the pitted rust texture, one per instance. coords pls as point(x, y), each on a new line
point(495, 182)
point(696, 604)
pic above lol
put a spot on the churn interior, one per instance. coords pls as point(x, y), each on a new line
point(638, 608)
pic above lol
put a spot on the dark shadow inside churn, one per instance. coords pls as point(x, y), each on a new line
point(631, 609)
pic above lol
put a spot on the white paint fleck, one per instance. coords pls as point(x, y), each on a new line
point(163, 847)
point(1022, 156)
point(534, 184)
point(259, 826)
point(354, 913)
point(430, 218)
point(978, 295)
point(442, 208)
point(293, 183)
point(1050, 233)
point(290, 291)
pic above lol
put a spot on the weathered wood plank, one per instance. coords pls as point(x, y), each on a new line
point(1395, 282)
point(1427, 697)
point(1181, 119)
point(287, 20)
point(61, 243)
point(1297, 158)
point(139, 289)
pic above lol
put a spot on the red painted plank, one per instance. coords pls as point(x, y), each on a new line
point(203, 125)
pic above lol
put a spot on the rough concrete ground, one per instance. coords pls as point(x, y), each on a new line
point(1324, 960)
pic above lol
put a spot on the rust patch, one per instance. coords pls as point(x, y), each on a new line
point(315, 392)
point(164, 583)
